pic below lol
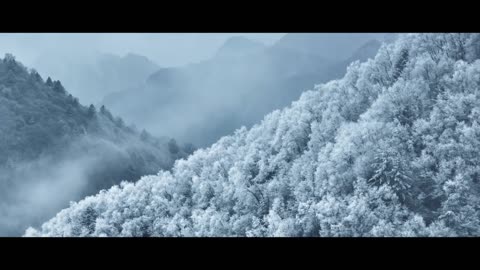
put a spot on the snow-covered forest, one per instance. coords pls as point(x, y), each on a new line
point(389, 149)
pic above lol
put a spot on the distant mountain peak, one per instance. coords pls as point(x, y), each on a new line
point(239, 45)
point(129, 57)
point(135, 56)
point(333, 46)
point(367, 50)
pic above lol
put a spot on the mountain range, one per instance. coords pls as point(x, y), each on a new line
point(242, 82)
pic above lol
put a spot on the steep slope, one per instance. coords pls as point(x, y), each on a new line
point(55, 150)
point(389, 150)
point(201, 103)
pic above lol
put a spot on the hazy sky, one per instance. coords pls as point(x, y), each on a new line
point(166, 49)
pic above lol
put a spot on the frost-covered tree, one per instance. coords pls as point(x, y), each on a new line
point(389, 150)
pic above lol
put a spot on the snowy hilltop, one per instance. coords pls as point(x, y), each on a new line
point(391, 149)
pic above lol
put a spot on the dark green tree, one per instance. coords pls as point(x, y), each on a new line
point(35, 76)
point(49, 82)
point(106, 112)
point(92, 111)
point(58, 87)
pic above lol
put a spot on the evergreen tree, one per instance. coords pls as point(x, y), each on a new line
point(91, 111)
point(106, 112)
point(49, 82)
point(390, 170)
point(58, 87)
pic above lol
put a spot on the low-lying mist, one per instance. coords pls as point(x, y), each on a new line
point(33, 191)
point(38, 189)
point(55, 150)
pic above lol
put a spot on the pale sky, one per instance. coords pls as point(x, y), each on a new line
point(166, 49)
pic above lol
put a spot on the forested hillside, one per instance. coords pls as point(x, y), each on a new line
point(55, 150)
point(391, 149)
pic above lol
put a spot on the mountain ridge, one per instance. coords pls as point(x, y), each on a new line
point(201, 102)
point(390, 149)
point(46, 132)
point(238, 46)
